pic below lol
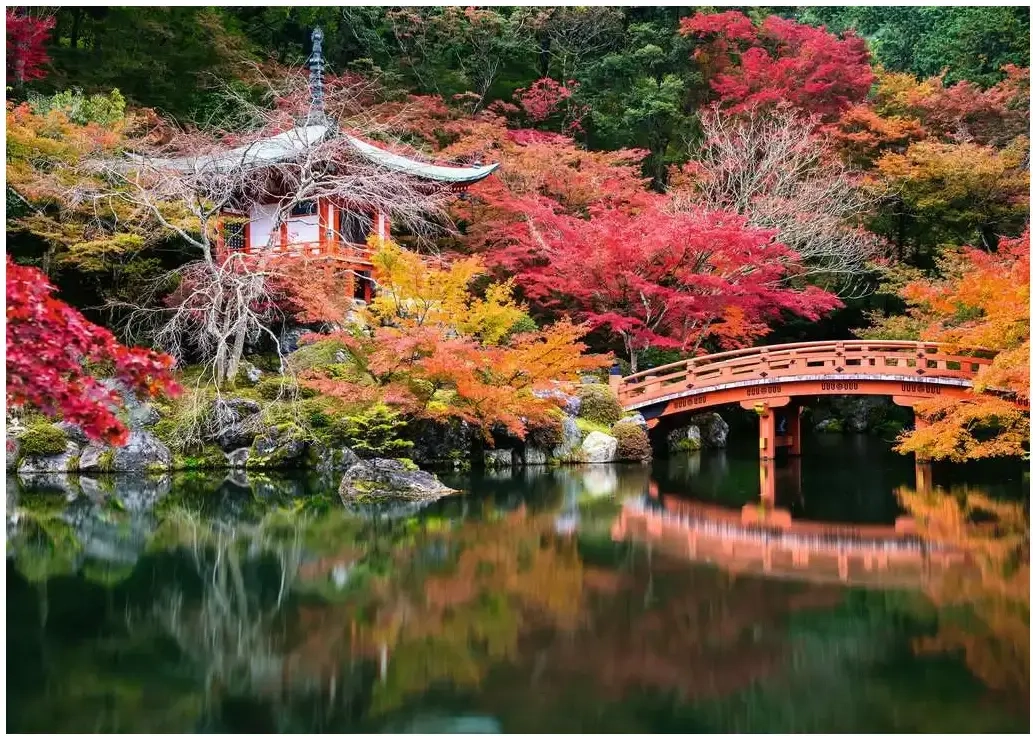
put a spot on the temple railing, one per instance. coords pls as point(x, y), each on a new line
point(892, 358)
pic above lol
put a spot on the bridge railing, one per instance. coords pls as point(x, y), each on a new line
point(876, 357)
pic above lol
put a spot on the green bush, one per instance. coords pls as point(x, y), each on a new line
point(42, 439)
point(598, 404)
point(101, 109)
point(632, 442)
point(375, 433)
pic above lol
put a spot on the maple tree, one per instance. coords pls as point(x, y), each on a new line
point(50, 349)
point(778, 61)
point(981, 305)
point(26, 46)
point(435, 350)
point(656, 278)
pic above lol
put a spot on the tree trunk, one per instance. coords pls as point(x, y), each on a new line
point(632, 358)
point(239, 338)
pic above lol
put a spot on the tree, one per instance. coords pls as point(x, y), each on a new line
point(26, 46)
point(779, 172)
point(51, 349)
point(779, 61)
point(982, 304)
point(655, 278)
point(433, 350)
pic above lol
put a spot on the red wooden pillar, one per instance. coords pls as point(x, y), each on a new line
point(767, 432)
point(793, 430)
point(767, 482)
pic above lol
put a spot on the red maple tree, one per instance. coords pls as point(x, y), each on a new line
point(654, 278)
point(780, 61)
point(51, 346)
point(26, 41)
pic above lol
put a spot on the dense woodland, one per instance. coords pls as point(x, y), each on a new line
point(673, 181)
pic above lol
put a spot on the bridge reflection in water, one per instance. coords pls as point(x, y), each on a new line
point(765, 540)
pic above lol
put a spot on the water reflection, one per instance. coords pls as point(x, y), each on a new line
point(202, 605)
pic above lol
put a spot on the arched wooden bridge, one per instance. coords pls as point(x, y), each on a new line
point(769, 377)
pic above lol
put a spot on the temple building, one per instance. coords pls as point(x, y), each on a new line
point(324, 225)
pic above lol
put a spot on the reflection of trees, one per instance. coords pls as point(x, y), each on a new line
point(985, 615)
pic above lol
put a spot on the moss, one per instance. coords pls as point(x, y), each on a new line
point(278, 387)
point(687, 444)
point(599, 404)
point(73, 464)
point(408, 464)
point(587, 426)
point(320, 354)
point(42, 439)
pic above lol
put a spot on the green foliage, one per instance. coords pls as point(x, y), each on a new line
point(100, 108)
point(598, 404)
point(278, 387)
point(587, 426)
point(42, 439)
point(375, 433)
point(632, 442)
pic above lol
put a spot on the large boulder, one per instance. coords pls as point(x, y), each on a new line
point(635, 419)
point(142, 453)
point(498, 458)
point(239, 422)
point(137, 414)
point(441, 443)
point(324, 459)
point(713, 429)
point(599, 448)
point(278, 447)
point(568, 448)
point(238, 458)
point(684, 439)
point(535, 456)
point(73, 432)
point(390, 480)
point(64, 462)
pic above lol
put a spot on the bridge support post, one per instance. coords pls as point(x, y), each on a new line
point(767, 483)
point(793, 430)
point(767, 431)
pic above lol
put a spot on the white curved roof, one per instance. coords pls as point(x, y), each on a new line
point(289, 144)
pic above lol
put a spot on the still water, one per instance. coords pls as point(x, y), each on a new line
point(201, 603)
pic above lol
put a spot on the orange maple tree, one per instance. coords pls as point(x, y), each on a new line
point(982, 304)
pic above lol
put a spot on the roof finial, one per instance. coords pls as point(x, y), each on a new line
point(316, 113)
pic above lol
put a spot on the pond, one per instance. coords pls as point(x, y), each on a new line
point(201, 603)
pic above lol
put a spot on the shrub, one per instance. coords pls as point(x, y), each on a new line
point(546, 434)
point(43, 439)
point(598, 404)
point(632, 442)
point(375, 433)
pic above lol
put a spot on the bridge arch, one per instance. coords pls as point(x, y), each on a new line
point(769, 377)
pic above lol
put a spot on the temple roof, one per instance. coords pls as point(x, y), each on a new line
point(288, 145)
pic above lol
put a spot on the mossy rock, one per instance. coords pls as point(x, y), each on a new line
point(206, 457)
point(598, 404)
point(41, 439)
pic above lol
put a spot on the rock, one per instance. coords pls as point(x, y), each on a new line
point(325, 459)
point(569, 403)
point(585, 380)
point(142, 453)
point(61, 481)
point(73, 432)
point(441, 443)
point(567, 450)
point(498, 458)
point(277, 448)
point(65, 462)
point(535, 456)
point(382, 480)
point(291, 339)
point(858, 413)
point(598, 448)
point(635, 419)
point(684, 439)
point(13, 448)
point(251, 373)
point(138, 414)
point(829, 426)
point(238, 458)
point(713, 429)
point(239, 421)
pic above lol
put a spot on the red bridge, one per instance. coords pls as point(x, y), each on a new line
point(768, 378)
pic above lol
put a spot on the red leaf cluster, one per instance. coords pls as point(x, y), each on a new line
point(50, 346)
point(780, 61)
point(26, 41)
